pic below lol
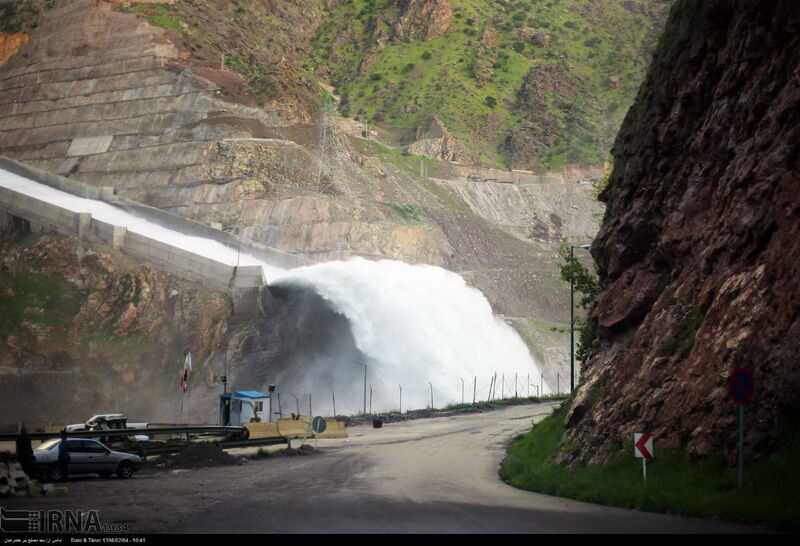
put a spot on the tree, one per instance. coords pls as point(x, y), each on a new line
point(587, 286)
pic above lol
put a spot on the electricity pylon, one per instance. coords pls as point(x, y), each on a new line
point(329, 173)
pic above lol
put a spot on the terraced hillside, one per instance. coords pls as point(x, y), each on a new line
point(115, 94)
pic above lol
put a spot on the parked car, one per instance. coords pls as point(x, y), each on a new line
point(86, 456)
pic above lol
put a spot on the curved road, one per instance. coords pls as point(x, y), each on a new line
point(434, 475)
point(429, 476)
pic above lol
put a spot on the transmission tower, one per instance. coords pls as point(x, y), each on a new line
point(329, 174)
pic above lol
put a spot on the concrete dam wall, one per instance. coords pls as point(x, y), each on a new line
point(210, 257)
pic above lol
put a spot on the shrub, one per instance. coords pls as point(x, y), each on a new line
point(490, 101)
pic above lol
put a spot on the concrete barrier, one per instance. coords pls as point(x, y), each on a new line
point(272, 256)
point(49, 217)
point(301, 428)
point(262, 430)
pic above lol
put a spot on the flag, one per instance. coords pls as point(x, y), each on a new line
point(187, 367)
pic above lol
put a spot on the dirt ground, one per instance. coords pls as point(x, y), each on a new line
point(427, 475)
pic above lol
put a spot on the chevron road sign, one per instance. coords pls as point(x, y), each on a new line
point(643, 448)
point(643, 445)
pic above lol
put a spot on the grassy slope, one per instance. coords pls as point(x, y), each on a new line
point(595, 43)
point(675, 484)
point(22, 15)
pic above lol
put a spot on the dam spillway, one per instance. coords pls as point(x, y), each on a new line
point(413, 326)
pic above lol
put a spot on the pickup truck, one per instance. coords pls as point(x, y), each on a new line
point(110, 421)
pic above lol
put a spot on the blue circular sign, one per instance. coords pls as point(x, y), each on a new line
point(741, 386)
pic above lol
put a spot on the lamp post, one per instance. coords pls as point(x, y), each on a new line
point(572, 319)
point(365, 385)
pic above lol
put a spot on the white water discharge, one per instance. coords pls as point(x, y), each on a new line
point(420, 327)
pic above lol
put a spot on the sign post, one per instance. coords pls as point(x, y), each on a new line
point(741, 388)
point(318, 425)
point(643, 449)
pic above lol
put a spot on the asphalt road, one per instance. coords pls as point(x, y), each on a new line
point(434, 475)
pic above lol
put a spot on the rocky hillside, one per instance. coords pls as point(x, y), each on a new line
point(518, 84)
point(522, 84)
point(129, 95)
point(86, 330)
point(699, 252)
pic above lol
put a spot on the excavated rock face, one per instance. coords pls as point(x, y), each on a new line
point(422, 19)
point(699, 253)
point(86, 328)
point(542, 84)
point(432, 139)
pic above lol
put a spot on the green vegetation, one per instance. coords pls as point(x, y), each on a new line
point(586, 287)
point(603, 53)
point(502, 402)
point(407, 212)
point(36, 299)
point(22, 15)
point(682, 341)
point(676, 483)
point(162, 16)
point(409, 164)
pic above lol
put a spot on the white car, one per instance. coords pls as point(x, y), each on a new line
point(86, 456)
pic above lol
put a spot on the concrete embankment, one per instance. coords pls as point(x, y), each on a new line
point(197, 252)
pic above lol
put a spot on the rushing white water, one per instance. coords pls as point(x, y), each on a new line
point(419, 326)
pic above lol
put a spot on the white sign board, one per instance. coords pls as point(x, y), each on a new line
point(643, 445)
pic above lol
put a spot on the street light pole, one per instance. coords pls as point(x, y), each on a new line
point(572, 319)
point(365, 386)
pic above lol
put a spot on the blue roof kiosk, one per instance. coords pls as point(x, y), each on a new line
point(240, 407)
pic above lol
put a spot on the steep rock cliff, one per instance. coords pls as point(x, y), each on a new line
point(699, 252)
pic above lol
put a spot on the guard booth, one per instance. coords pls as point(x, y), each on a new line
point(240, 407)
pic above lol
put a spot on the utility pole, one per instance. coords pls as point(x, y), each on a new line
point(462, 390)
point(474, 390)
point(333, 397)
point(365, 386)
point(401, 399)
point(431, 384)
point(370, 399)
